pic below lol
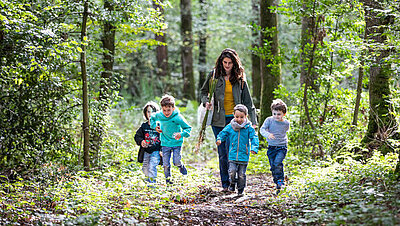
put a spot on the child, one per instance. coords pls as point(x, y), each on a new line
point(150, 144)
point(173, 127)
point(239, 130)
point(274, 129)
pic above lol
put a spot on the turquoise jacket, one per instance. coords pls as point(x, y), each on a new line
point(175, 123)
point(239, 147)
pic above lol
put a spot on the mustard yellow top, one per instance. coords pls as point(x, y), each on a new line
point(229, 103)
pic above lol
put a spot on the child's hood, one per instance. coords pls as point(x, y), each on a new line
point(174, 114)
point(237, 127)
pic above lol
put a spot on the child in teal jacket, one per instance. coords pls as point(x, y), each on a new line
point(173, 128)
point(243, 140)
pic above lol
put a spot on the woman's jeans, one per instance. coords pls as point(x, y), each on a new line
point(237, 172)
point(150, 162)
point(276, 155)
point(167, 152)
point(223, 150)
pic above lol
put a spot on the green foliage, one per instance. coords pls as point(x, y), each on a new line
point(37, 106)
point(349, 193)
point(333, 127)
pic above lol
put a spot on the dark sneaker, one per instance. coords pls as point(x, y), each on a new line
point(278, 191)
point(168, 181)
point(232, 187)
point(240, 191)
point(183, 170)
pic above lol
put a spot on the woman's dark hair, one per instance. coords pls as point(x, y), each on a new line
point(154, 108)
point(237, 72)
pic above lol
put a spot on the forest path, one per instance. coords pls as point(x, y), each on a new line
point(214, 207)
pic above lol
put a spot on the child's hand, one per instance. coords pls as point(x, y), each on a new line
point(271, 136)
point(218, 142)
point(161, 153)
point(253, 152)
point(177, 136)
point(144, 144)
point(158, 129)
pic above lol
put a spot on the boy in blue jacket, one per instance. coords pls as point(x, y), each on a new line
point(241, 134)
point(173, 127)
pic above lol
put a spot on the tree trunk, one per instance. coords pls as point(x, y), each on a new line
point(270, 71)
point(186, 50)
point(255, 59)
point(308, 30)
point(202, 45)
point(86, 158)
point(381, 123)
point(108, 41)
point(161, 50)
point(359, 91)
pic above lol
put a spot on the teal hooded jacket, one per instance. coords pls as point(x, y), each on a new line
point(242, 142)
point(175, 123)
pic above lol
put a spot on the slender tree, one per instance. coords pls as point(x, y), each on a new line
point(381, 123)
point(202, 44)
point(108, 41)
point(270, 64)
point(161, 50)
point(308, 30)
point(255, 58)
point(186, 50)
point(85, 103)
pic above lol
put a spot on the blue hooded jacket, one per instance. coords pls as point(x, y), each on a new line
point(239, 147)
point(175, 123)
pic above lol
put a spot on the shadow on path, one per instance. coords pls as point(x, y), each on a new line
point(214, 207)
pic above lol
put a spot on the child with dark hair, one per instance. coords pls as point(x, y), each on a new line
point(274, 129)
point(150, 145)
point(173, 128)
point(246, 141)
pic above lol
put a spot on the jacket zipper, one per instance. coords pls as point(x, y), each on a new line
point(237, 150)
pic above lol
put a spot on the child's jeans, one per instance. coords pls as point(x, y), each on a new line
point(276, 154)
point(150, 162)
point(239, 169)
point(167, 152)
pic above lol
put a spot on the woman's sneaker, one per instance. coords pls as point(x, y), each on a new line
point(232, 187)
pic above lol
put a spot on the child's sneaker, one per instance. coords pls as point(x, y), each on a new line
point(280, 184)
point(183, 170)
point(168, 181)
point(240, 192)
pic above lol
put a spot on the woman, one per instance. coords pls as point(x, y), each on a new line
point(231, 89)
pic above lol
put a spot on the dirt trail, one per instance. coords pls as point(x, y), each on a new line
point(214, 207)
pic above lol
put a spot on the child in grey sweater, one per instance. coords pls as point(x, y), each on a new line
point(274, 129)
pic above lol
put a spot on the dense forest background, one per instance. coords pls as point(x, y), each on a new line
point(74, 76)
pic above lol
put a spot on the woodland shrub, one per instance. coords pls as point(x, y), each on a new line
point(332, 121)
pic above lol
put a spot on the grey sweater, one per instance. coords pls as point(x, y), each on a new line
point(278, 129)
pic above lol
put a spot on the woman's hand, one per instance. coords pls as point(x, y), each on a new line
point(208, 105)
point(218, 142)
